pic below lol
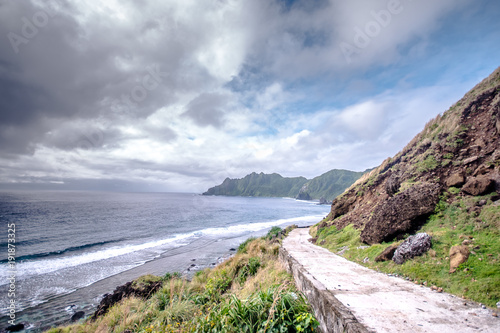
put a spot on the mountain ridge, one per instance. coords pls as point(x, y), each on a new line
point(324, 187)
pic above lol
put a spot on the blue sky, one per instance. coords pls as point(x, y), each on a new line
point(178, 95)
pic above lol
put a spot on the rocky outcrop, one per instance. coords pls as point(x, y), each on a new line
point(323, 201)
point(303, 195)
point(458, 255)
point(401, 214)
point(455, 180)
point(412, 247)
point(478, 185)
point(460, 148)
point(143, 288)
point(77, 316)
point(15, 328)
point(392, 185)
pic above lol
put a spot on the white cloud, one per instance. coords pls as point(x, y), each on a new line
point(242, 86)
point(364, 120)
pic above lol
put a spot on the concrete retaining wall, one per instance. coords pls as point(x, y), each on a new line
point(332, 315)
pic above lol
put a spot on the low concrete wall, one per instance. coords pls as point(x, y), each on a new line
point(332, 315)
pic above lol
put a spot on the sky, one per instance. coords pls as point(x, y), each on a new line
point(175, 96)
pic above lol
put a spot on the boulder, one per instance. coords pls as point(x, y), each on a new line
point(402, 213)
point(387, 254)
point(412, 247)
point(77, 316)
point(342, 205)
point(15, 328)
point(323, 201)
point(392, 185)
point(470, 160)
point(144, 290)
point(478, 185)
point(497, 123)
point(455, 180)
point(458, 255)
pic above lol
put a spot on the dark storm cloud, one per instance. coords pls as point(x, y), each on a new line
point(55, 68)
point(149, 92)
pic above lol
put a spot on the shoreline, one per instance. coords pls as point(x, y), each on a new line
point(186, 260)
point(59, 309)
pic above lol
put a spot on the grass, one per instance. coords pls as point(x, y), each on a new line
point(454, 221)
point(428, 164)
point(250, 292)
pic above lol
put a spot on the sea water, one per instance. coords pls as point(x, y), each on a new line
point(72, 247)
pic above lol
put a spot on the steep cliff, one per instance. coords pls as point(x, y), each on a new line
point(259, 185)
point(457, 154)
point(328, 185)
point(325, 187)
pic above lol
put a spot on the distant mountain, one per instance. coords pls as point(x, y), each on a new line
point(325, 187)
point(329, 185)
point(259, 185)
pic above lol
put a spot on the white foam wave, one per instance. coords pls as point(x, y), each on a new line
point(44, 266)
point(252, 227)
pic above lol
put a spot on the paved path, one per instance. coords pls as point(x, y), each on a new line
point(387, 304)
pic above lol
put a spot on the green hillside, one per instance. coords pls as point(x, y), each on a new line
point(259, 185)
point(326, 187)
point(329, 185)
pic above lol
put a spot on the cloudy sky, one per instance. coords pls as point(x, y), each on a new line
point(176, 95)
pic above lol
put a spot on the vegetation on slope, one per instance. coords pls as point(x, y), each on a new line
point(250, 292)
point(327, 186)
point(259, 185)
point(462, 143)
point(445, 182)
point(455, 221)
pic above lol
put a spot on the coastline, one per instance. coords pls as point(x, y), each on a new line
point(186, 260)
point(59, 309)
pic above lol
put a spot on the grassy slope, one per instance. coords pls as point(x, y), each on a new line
point(453, 222)
point(259, 185)
point(328, 185)
point(331, 184)
point(248, 293)
point(425, 159)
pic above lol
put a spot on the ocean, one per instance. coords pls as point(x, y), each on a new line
point(73, 247)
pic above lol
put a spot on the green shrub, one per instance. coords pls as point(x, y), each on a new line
point(243, 246)
point(430, 163)
point(249, 269)
point(218, 284)
point(169, 276)
point(448, 156)
point(273, 232)
point(273, 310)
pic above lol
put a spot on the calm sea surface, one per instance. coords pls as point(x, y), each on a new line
point(72, 247)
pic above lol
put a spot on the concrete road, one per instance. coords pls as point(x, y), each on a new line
point(388, 304)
